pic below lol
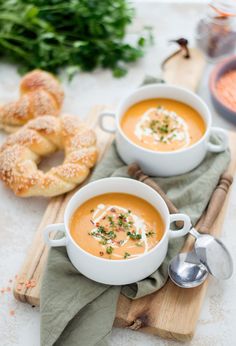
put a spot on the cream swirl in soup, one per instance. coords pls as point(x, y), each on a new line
point(162, 124)
point(116, 226)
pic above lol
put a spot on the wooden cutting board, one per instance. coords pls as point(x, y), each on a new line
point(171, 312)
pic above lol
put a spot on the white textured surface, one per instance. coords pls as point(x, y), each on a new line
point(20, 217)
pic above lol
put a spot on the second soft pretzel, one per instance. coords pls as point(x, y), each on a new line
point(40, 94)
point(40, 137)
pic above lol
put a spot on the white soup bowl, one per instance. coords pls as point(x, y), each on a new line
point(108, 271)
point(157, 163)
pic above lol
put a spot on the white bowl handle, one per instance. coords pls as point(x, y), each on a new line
point(217, 148)
point(184, 230)
point(106, 128)
point(53, 228)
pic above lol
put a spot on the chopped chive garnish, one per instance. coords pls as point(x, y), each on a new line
point(134, 236)
point(150, 234)
point(109, 250)
point(103, 241)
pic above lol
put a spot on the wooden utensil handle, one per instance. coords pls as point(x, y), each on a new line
point(135, 172)
point(216, 202)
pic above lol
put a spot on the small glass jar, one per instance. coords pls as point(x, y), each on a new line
point(216, 31)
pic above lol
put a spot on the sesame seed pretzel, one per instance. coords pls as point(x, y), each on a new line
point(40, 94)
point(24, 149)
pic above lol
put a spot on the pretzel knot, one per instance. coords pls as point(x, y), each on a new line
point(40, 137)
point(40, 94)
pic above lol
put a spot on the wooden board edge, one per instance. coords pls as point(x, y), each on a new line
point(188, 333)
point(26, 295)
point(123, 322)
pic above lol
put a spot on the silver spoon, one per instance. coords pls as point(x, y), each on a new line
point(206, 246)
point(209, 255)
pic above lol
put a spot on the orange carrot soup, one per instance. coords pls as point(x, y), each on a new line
point(163, 124)
point(116, 226)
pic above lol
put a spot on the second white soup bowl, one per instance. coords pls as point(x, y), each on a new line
point(117, 272)
point(157, 163)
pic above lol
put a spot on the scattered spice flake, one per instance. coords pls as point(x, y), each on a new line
point(101, 253)
point(30, 283)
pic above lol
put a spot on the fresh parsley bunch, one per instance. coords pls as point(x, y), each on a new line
point(79, 34)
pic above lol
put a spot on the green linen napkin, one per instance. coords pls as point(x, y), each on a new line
point(76, 311)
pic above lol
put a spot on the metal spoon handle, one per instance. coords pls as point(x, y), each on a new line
point(216, 202)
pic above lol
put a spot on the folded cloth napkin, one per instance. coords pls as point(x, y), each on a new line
point(77, 311)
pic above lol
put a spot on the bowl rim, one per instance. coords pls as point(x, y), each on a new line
point(213, 79)
point(165, 86)
point(138, 258)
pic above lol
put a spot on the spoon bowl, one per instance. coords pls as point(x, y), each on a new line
point(186, 271)
point(213, 254)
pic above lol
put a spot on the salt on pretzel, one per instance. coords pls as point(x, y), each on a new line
point(24, 149)
point(40, 94)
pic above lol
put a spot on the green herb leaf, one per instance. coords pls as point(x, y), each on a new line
point(101, 229)
point(134, 236)
point(109, 250)
point(103, 241)
point(78, 34)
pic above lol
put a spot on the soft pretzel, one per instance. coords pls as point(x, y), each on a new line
point(24, 149)
point(40, 94)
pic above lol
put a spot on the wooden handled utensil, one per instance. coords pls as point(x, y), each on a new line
point(209, 251)
point(135, 172)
